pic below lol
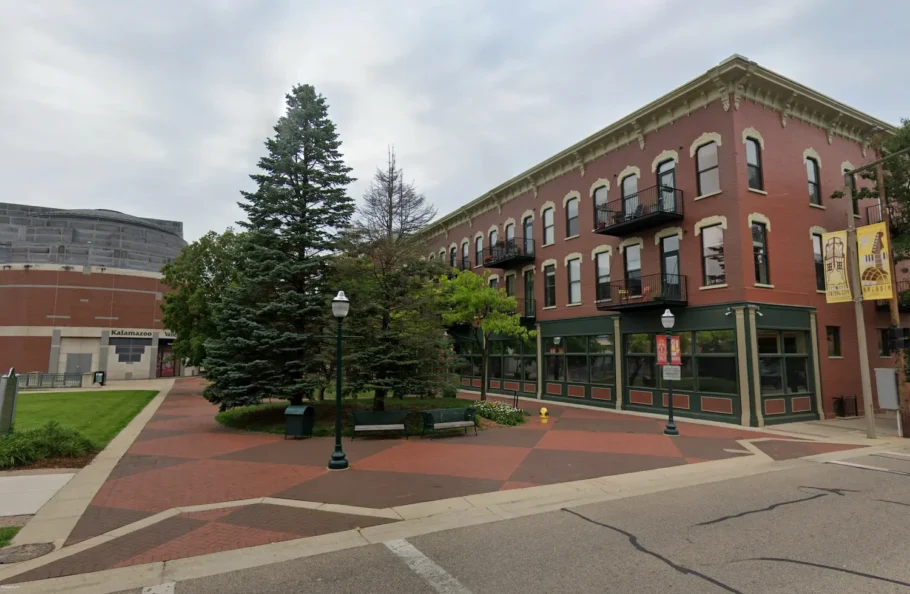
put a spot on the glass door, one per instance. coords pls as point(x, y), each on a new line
point(666, 179)
point(529, 293)
point(669, 268)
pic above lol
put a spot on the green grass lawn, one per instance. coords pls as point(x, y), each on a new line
point(99, 416)
point(269, 417)
point(7, 534)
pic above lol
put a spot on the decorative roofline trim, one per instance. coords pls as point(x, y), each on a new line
point(736, 76)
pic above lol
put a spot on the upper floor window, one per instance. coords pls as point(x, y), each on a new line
point(602, 269)
point(528, 225)
point(707, 169)
point(666, 179)
point(712, 245)
point(549, 285)
point(549, 234)
point(832, 333)
point(632, 254)
point(760, 253)
point(629, 187)
point(465, 255)
point(819, 262)
point(572, 217)
point(494, 283)
point(510, 233)
point(442, 255)
point(600, 199)
point(815, 188)
point(494, 239)
point(574, 274)
point(510, 285)
point(753, 164)
point(478, 250)
point(453, 256)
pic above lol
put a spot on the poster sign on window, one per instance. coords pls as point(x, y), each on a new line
point(874, 262)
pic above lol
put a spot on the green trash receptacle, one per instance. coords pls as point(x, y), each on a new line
point(98, 377)
point(298, 421)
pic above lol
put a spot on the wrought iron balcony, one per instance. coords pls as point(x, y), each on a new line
point(650, 207)
point(462, 264)
point(874, 215)
point(509, 253)
point(653, 290)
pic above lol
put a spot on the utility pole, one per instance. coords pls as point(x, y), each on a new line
point(893, 304)
point(853, 267)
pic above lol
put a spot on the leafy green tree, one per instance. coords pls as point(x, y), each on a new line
point(469, 299)
point(399, 331)
point(198, 276)
point(271, 324)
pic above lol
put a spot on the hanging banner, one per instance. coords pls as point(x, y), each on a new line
point(834, 252)
point(675, 351)
point(661, 349)
point(874, 261)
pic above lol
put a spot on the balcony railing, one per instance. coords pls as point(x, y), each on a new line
point(653, 290)
point(647, 208)
point(509, 253)
point(462, 264)
point(874, 215)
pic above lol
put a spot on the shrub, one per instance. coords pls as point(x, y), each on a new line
point(503, 414)
point(449, 391)
point(50, 441)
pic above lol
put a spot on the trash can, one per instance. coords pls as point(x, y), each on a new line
point(299, 421)
point(98, 377)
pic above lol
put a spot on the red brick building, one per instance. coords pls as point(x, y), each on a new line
point(708, 201)
point(81, 292)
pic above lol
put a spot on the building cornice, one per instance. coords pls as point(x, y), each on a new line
point(732, 80)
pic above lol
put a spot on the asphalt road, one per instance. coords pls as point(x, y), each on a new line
point(826, 529)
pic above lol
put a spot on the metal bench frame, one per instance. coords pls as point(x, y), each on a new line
point(395, 415)
point(467, 419)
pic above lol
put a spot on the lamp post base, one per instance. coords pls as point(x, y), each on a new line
point(671, 429)
point(338, 461)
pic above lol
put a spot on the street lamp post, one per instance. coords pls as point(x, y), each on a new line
point(668, 320)
point(340, 307)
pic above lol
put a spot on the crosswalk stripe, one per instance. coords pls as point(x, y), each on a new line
point(438, 578)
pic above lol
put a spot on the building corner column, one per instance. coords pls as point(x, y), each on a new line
point(53, 360)
point(816, 366)
point(745, 401)
point(539, 363)
point(617, 360)
point(756, 377)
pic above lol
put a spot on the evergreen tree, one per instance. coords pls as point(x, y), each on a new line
point(271, 324)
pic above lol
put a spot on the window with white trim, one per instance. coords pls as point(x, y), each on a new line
point(753, 164)
point(760, 253)
point(815, 188)
point(549, 234)
point(574, 276)
point(712, 245)
point(819, 262)
point(572, 217)
point(602, 272)
point(549, 285)
point(478, 250)
point(707, 169)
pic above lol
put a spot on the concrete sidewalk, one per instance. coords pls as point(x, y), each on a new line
point(23, 494)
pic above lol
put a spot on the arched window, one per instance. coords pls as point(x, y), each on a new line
point(600, 200)
point(528, 225)
point(629, 186)
point(510, 235)
point(478, 250)
point(465, 256)
point(572, 217)
point(549, 235)
point(753, 164)
point(707, 169)
point(494, 238)
point(666, 179)
point(453, 255)
point(815, 186)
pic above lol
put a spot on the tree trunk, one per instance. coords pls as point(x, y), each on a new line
point(379, 399)
point(484, 372)
point(296, 399)
point(321, 394)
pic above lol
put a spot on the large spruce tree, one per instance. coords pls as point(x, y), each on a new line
point(271, 323)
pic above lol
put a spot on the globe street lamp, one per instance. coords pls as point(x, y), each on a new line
point(340, 308)
point(667, 320)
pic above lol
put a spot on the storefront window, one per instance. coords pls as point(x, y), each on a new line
point(783, 370)
point(641, 363)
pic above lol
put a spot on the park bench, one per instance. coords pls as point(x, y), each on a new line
point(448, 418)
point(379, 420)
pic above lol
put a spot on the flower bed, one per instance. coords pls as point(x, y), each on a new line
point(500, 413)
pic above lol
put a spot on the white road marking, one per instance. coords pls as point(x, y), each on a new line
point(732, 451)
point(167, 588)
point(901, 454)
point(440, 580)
point(867, 467)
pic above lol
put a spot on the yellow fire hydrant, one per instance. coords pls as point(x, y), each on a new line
point(544, 415)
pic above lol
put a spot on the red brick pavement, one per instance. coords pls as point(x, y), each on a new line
point(184, 457)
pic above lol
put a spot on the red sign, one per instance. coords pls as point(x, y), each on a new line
point(675, 354)
point(661, 349)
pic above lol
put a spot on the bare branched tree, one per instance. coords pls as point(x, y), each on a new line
point(393, 209)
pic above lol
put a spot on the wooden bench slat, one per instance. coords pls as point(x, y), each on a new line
point(452, 424)
point(379, 427)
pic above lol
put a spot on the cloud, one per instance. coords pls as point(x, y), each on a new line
point(160, 109)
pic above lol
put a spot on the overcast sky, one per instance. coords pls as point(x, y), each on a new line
point(160, 108)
